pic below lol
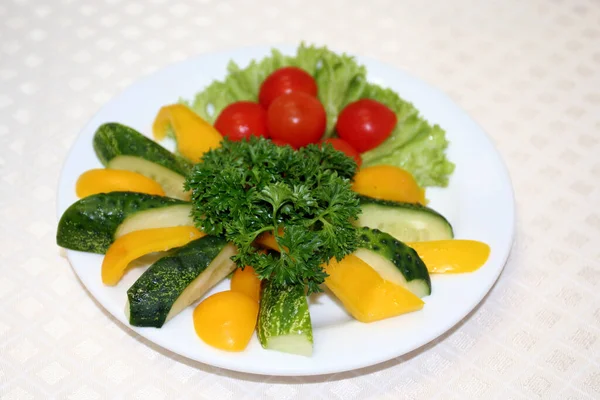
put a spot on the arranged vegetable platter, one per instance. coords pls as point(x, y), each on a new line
point(478, 202)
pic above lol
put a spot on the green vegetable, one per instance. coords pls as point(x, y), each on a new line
point(339, 78)
point(394, 261)
point(283, 319)
point(414, 144)
point(423, 156)
point(239, 84)
point(407, 222)
point(245, 188)
point(93, 223)
point(121, 147)
point(177, 280)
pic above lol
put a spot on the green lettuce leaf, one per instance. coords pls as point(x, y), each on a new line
point(423, 156)
point(338, 77)
point(414, 144)
point(340, 81)
point(240, 84)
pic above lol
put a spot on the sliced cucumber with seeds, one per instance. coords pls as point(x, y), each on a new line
point(283, 319)
point(178, 280)
point(121, 147)
point(394, 261)
point(93, 223)
point(407, 222)
point(171, 182)
point(164, 217)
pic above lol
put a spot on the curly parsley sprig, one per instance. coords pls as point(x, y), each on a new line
point(304, 197)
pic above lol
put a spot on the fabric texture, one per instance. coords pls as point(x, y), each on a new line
point(526, 71)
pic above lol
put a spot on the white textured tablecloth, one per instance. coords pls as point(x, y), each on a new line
point(527, 71)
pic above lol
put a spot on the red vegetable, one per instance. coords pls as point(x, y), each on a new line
point(241, 119)
point(296, 118)
point(365, 124)
point(286, 80)
point(345, 148)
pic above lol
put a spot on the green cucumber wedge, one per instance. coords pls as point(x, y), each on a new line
point(283, 319)
point(121, 147)
point(394, 261)
point(407, 222)
point(93, 223)
point(178, 280)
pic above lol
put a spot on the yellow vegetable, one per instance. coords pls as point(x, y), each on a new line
point(452, 256)
point(267, 239)
point(245, 281)
point(194, 135)
point(388, 183)
point(365, 294)
point(226, 320)
point(138, 243)
point(113, 180)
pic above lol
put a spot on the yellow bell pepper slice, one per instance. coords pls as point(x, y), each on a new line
point(138, 243)
point(226, 320)
point(97, 181)
point(267, 239)
point(452, 256)
point(194, 135)
point(388, 183)
point(365, 294)
point(246, 281)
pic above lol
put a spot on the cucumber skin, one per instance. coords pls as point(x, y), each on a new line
point(113, 139)
point(364, 200)
point(405, 258)
point(157, 289)
point(283, 311)
point(90, 223)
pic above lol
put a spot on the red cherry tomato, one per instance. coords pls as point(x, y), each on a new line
point(296, 118)
point(241, 119)
point(365, 124)
point(345, 148)
point(286, 80)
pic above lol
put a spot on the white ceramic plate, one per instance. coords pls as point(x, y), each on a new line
point(478, 202)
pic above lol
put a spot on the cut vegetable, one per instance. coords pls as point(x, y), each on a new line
point(414, 144)
point(394, 261)
point(245, 188)
point(136, 244)
point(284, 321)
point(175, 215)
point(452, 256)
point(246, 281)
point(177, 280)
point(97, 181)
point(388, 183)
point(405, 221)
point(171, 182)
point(226, 320)
point(365, 294)
point(93, 223)
point(267, 240)
point(194, 135)
point(121, 147)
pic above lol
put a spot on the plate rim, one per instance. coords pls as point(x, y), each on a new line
point(265, 49)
